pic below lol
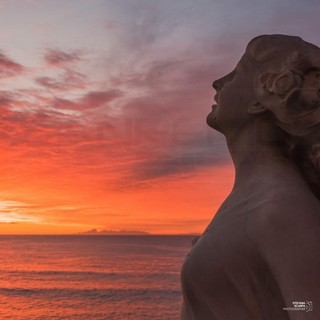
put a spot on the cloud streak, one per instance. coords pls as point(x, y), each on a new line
point(91, 100)
point(8, 67)
point(61, 59)
point(69, 80)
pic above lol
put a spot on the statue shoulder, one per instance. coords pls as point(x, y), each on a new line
point(287, 238)
point(287, 226)
point(286, 216)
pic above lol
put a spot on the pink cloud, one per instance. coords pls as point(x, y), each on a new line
point(91, 100)
point(156, 137)
point(59, 103)
point(9, 68)
point(69, 80)
point(50, 83)
point(96, 99)
point(6, 99)
point(74, 79)
point(58, 58)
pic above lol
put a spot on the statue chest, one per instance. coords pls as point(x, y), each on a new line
point(224, 277)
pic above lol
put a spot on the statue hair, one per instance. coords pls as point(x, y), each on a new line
point(294, 77)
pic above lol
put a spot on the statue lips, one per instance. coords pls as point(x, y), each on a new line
point(215, 106)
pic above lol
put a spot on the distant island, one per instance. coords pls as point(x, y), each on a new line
point(96, 232)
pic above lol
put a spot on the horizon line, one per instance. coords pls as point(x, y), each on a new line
point(107, 235)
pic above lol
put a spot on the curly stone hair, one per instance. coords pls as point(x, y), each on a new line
point(289, 72)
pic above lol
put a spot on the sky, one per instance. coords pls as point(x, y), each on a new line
point(103, 107)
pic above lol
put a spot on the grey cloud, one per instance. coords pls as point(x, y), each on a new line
point(190, 156)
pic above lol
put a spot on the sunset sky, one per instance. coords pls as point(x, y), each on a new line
point(103, 107)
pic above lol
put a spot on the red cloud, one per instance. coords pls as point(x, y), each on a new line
point(9, 68)
point(58, 58)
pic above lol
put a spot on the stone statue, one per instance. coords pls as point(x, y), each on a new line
point(259, 258)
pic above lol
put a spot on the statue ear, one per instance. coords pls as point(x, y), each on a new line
point(256, 108)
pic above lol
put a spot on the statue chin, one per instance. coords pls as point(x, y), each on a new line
point(212, 119)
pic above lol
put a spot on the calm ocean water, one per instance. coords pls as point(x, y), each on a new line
point(91, 277)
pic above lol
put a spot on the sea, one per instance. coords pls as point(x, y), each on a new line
point(91, 277)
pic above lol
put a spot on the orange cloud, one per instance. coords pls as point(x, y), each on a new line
point(124, 153)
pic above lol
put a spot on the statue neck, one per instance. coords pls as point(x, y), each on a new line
point(260, 161)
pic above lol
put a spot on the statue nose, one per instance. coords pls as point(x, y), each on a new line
point(219, 83)
point(216, 85)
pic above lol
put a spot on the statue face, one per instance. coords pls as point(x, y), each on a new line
point(233, 97)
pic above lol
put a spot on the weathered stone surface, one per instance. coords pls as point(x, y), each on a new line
point(260, 253)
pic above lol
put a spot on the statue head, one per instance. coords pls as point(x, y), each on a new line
point(277, 78)
point(279, 74)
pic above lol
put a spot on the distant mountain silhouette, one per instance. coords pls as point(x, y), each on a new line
point(113, 232)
